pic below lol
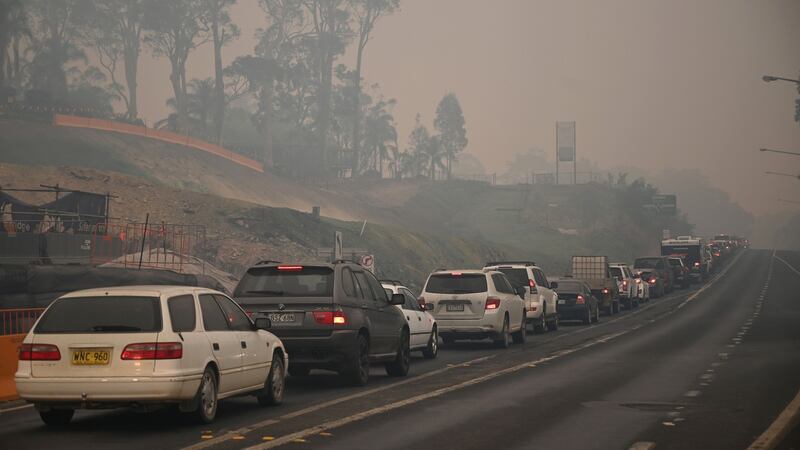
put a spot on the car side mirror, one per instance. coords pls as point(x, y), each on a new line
point(397, 299)
point(553, 285)
point(263, 323)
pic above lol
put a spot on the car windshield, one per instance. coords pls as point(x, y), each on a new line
point(517, 277)
point(646, 263)
point(286, 281)
point(616, 272)
point(675, 262)
point(106, 314)
point(456, 284)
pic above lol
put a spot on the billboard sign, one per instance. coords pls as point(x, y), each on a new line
point(565, 141)
point(666, 203)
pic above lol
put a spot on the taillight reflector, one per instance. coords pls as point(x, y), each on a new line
point(581, 300)
point(330, 317)
point(153, 350)
point(531, 283)
point(39, 352)
point(492, 303)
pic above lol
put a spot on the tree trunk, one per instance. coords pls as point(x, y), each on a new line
point(267, 127)
point(131, 54)
point(357, 119)
point(175, 79)
point(219, 83)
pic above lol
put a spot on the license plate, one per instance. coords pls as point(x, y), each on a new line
point(90, 357)
point(562, 301)
point(281, 317)
point(455, 307)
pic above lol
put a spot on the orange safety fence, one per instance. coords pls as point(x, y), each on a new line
point(165, 136)
point(14, 324)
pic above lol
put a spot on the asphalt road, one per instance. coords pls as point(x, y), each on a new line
point(709, 367)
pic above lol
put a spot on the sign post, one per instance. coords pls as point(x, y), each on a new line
point(565, 148)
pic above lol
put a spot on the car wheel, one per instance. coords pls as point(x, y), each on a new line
point(597, 315)
point(587, 317)
point(522, 335)
point(358, 372)
point(553, 324)
point(541, 323)
point(206, 399)
point(272, 394)
point(503, 340)
point(615, 307)
point(432, 349)
point(57, 417)
point(402, 361)
point(299, 372)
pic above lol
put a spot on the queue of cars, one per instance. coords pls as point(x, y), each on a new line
point(149, 346)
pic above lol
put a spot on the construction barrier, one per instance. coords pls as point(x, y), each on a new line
point(14, 325)
point(165, 136)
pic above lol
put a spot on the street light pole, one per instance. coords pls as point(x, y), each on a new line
point(789, 201)
point(770, 79)
point(778, 151)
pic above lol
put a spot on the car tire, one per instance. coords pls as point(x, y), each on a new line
point(522, 335)
point(272, 395)
point(358, 372)
point(540, 326)
point(615, 307)
point(57, 417)
point(553, 324)
point(402, 360)
point(587, 318)
point(597, 315)
point(503, 340)
point(299, 372)
point(432, 349)
point(206, 398)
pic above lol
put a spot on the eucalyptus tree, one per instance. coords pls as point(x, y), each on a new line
point(450, 124)
point(221, 29)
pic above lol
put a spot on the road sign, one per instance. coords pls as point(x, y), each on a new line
point(565, 141)
point(666, 203)
point(368, 261)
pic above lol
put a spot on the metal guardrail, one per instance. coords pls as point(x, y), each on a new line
point(18, 321)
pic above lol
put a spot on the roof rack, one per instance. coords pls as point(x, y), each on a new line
point(499, 263)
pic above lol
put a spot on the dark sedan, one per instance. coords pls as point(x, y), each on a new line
point(576, 302)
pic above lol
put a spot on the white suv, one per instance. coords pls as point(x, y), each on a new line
point(626, 282)
point(145, 346)
point(473, 304)
point(424, 332)
point(540, 299)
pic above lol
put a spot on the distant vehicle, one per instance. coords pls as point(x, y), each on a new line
point(626, 283)
point(540, 299)
point(642, 289)
point(692, 251)
point(145, 346)
point(333, 316)
point(472, 304)
point(576, 301)
point(595, 272)
point(657, 272)
point(680, 271)
point(424, 332)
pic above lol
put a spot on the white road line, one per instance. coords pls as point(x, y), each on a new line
point(16, 408)
point(711, 283)
point(787, 264)
point(302, 434)
point(643, 446)
point(785, 422)
point(692, 394)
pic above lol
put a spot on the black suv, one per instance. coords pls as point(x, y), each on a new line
point(329, 316)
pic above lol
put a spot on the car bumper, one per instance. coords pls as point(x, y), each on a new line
point(471, 328)
point(575, 312)
point(112, 389)
point(326, 352)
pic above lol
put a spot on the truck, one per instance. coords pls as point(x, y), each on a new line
point(693, 252)
point(594, 270)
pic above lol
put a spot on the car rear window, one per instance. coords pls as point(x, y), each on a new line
point(289, 281)
point(456, 284)
point(646, 263)
point(568, 286)
point(106, 314)
point(517, 277)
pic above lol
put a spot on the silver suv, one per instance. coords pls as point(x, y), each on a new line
point(473, 304)
point(540, 298)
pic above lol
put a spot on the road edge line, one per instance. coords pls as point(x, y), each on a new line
point(777, 431)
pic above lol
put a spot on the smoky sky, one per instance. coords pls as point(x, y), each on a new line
point(668, 84)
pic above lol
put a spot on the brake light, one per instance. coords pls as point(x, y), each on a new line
point(153, 350)
point(652, 281)
point(624, 283)
point(330, 317)
point(532, 284)
point(580, 301)
point(455, 274)
point(605, 290)
point(290, 268)
point(492, 303)
point(697, 264)
point(39, 352)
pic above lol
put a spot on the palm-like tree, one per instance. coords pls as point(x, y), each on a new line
point(199, 107)
point(380, 135)
point(435, 154)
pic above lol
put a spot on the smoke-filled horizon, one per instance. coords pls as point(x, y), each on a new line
point(655, 85)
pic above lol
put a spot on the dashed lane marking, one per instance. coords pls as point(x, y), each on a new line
point(643, 445)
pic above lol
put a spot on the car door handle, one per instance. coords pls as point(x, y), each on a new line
point(244, 344)
point(408, 318)
point(215, 345)
point(419, 318)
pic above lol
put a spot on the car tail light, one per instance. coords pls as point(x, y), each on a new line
point(652, 281)
point(580, 300)
point(492, 303)
point(39, 352)
point(290, 268)
point(153, 350)
point(605, 290)
point(697, 264)
point(456, 274)
point(624, 283)
point(330, 317)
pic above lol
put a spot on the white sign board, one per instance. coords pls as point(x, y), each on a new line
point(368, 261)
point(565, 141)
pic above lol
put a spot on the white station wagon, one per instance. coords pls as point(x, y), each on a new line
point(146, 346)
